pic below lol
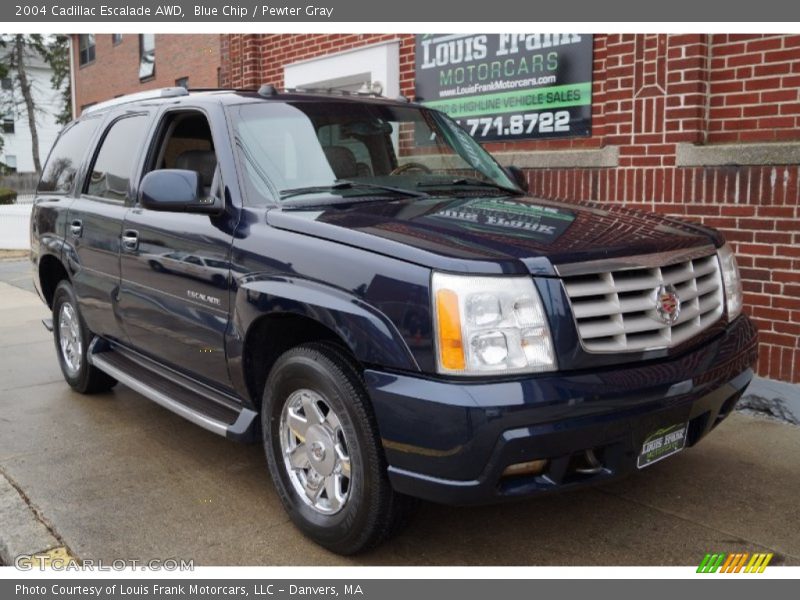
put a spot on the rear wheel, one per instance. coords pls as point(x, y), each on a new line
point(72, 340)
point(324, 452)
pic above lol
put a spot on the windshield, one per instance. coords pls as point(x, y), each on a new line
point(332, 149)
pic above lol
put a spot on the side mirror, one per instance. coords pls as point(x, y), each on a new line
point(177, 190)
point(518, 176)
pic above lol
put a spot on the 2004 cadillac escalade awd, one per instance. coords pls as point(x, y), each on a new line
point(358, 284)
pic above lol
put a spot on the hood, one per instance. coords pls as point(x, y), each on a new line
point(491, 234)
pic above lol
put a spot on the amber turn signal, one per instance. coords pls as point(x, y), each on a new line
point(451, 347)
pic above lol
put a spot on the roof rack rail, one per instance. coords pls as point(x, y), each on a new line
point(215, 89)
point(168, 92)
point(332, 92)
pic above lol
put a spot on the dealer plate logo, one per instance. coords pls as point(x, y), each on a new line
point(661, 444)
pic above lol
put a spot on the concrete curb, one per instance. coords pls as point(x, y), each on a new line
point(13, 255)
point(24, 531)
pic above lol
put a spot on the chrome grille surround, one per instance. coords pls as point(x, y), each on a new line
point(614, 301)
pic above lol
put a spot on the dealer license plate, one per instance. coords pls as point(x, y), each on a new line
point(661, 444)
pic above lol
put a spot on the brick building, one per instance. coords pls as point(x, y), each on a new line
point(705, 127)
point(110, 65)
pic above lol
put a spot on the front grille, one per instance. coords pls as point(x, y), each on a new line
point(615, 307)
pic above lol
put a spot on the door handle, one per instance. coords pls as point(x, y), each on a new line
point(130, 239)
point(76, 228)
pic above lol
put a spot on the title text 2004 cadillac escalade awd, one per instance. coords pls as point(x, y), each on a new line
point(358, 284)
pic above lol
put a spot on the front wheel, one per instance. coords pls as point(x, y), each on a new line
point(324, 453)
point(72, 340)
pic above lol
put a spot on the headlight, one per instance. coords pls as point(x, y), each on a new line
point(490, 325)
point(732, 281)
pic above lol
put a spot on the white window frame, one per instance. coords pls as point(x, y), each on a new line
point(381, 60)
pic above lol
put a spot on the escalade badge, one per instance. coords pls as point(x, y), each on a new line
point(668, 304)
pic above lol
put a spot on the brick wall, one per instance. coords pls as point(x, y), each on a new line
point(753, 88)
point(654, 96)
point(250, 60)
point(115, 70)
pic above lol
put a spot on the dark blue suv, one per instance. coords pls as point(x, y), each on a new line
point(356, 283)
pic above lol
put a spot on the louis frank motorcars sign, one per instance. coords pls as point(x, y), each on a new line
point(509, 86)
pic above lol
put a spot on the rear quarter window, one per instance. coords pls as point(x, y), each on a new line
point(66, 156)
point(116, 160)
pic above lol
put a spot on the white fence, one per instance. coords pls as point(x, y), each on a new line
point(15, 226)
point(15, 218)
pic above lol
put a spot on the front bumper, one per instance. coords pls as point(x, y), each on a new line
point(451, 441)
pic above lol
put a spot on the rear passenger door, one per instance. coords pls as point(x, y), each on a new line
point(176, 265)
point(56, 191)
point(94, 223)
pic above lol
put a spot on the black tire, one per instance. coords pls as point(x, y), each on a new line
point(86, 379)
point(156, 266)
point(372, 511)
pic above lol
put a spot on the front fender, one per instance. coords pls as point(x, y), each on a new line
point(368, 333)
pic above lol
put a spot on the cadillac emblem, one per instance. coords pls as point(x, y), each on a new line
point(668, 304)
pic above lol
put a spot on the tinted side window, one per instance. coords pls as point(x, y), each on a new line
point(65, 159)
point(113, 167)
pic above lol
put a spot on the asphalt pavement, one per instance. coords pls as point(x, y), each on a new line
point(16, 273)
point(115, 476)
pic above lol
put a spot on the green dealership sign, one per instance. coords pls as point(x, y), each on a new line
point(509, 86)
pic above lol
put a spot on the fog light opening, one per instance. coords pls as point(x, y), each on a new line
point(531, 467)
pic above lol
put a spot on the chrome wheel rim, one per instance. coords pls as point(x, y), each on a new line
point(69, 338)
point(315, 452)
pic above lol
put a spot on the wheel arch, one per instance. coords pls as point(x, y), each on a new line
point(51, 272)
point(273, 334)
point(272, 316)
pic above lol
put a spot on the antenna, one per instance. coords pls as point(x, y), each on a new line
point(267, 90)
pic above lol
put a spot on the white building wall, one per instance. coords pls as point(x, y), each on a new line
point(18, 144)
point(380, 63)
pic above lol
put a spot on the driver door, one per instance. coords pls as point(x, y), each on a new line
point(175, 310)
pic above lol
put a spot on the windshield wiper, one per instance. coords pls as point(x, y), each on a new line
point(344, 184)
point(471, 182)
